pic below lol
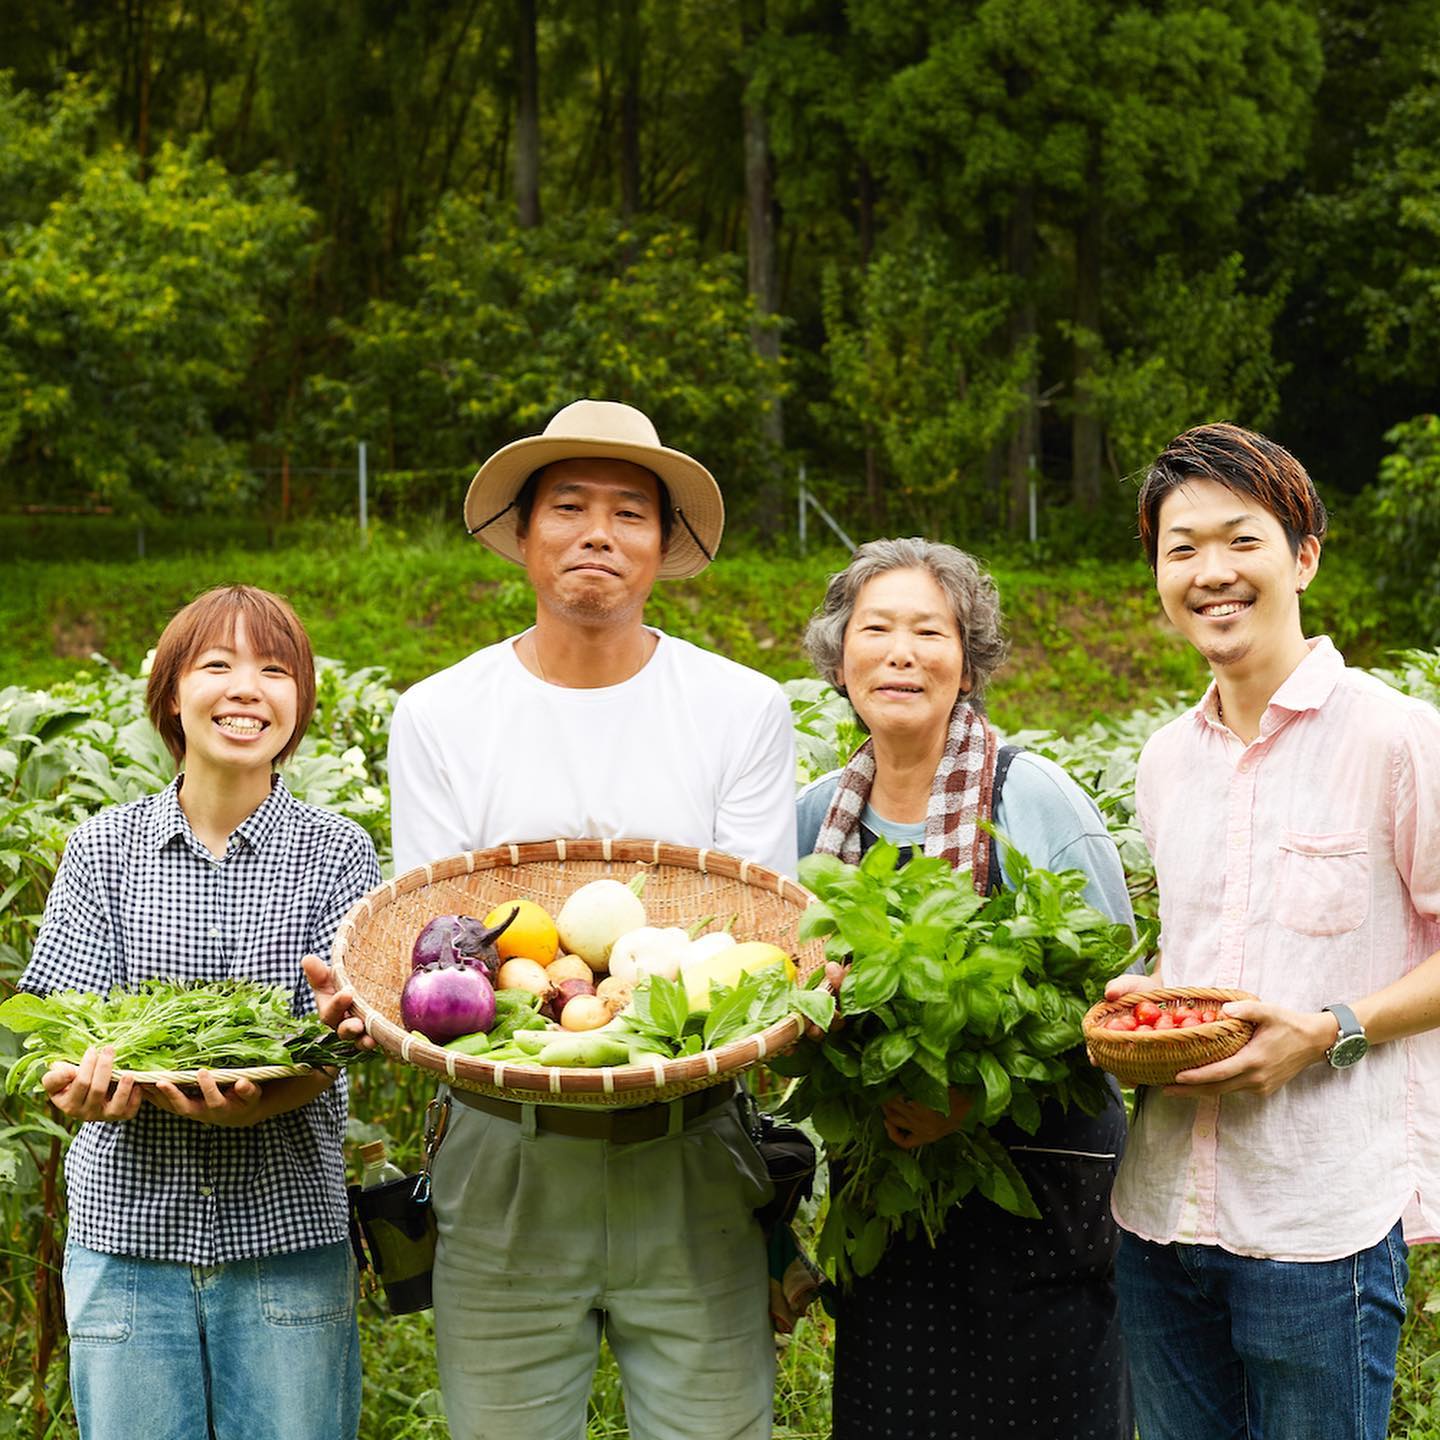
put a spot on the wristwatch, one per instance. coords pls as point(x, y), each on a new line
point(1350, 1044)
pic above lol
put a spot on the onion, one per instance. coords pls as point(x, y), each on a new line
point(444, 1001)
point(563, 994)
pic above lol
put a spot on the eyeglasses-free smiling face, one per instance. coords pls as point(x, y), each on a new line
point(236, 708)
point(903, 662)
point(1227, 578)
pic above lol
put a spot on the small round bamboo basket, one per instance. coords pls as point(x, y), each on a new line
point(1156, 1057)
point(257, 1073)
point(372, 948)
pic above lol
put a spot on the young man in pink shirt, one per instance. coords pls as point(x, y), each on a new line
point(1294, 817)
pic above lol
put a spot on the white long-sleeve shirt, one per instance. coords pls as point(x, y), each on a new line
point(694, 750)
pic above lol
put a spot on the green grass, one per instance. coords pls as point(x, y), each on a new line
point(1087, 640)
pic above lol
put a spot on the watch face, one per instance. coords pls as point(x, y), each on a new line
point(1347, 1050)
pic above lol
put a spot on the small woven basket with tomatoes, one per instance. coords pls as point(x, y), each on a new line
point(372, 954)
point(1149, 1036)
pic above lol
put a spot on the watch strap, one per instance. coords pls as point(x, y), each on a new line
point(1345, 1016)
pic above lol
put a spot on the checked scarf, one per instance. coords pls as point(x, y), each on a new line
point(959, 797)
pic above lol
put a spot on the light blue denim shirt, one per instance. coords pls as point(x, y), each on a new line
point(1045, 815)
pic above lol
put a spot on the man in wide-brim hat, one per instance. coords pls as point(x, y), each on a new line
point(556, 1224)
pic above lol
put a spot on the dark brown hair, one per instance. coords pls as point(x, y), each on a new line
point(1242, 461)
point(272, 630)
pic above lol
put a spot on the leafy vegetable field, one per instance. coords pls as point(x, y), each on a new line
point(84, 743)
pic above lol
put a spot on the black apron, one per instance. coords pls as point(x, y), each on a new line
point(1008, 1326)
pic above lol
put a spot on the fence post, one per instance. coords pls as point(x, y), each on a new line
point(802, 508)
point(364, 537)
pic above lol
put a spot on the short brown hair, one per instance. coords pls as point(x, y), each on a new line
point(1242, 461)
point(272, 629)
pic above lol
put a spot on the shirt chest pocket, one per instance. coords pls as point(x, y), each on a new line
point(1322, 884)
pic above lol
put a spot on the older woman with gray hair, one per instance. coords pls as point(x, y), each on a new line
point(1007, 1325)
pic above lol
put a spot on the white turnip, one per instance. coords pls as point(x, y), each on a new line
point(648, 951)
point(597, 915)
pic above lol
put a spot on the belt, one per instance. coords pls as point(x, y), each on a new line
point(620, 1127)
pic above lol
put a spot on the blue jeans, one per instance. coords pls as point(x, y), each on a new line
point(264, 1349)
point(1225, 1347)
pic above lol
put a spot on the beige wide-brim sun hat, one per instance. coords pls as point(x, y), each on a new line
point(607, 430)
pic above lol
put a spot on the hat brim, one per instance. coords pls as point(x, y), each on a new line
point(695, 497)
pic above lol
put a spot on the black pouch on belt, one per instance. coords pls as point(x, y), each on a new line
point(789, 1156)
point(392, 1227)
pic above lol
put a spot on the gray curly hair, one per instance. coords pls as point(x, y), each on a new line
point(972, 594)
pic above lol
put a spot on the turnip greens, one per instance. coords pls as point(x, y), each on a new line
point(946, 989)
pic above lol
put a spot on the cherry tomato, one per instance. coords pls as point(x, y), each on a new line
point(1209, 1017)
point(1190, 1021)
point(1123, 1021)
point(1147, 1012)
point(1166, 1021)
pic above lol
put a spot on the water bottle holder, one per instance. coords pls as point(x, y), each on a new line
point(392, 1228)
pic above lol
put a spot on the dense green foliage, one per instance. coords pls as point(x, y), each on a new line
point(935, 254)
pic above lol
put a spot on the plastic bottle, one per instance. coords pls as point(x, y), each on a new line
point(377, 1168)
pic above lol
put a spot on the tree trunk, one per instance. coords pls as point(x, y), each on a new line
point(761, 252)
point(527, 119)
point(1085, 430)
point(1023, 455)
point(629, 108)
point(865, 236)
point(142, 94)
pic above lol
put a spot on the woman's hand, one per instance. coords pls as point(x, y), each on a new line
point(236, 1106)
point(83, 1091)
point(835, 974)
point(910, 1124)
point(335, 1006)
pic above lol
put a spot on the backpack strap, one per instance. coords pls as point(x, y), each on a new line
point(994, 877)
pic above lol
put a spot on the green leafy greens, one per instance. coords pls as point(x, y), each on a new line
point(946, 989)
point(163, 1025)
point(659, 1020)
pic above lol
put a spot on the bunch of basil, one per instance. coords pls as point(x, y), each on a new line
point(946, 988)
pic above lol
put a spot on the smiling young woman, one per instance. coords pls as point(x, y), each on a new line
point(227, 1207)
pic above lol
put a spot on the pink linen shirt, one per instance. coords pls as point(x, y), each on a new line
point(1305, 868)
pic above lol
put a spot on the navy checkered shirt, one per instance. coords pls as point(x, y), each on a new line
point(137, 896)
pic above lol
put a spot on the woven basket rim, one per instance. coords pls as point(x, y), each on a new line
point(1102, 1010)
point(221, 1075)
point(1138, 1057)
point(640, 1082)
